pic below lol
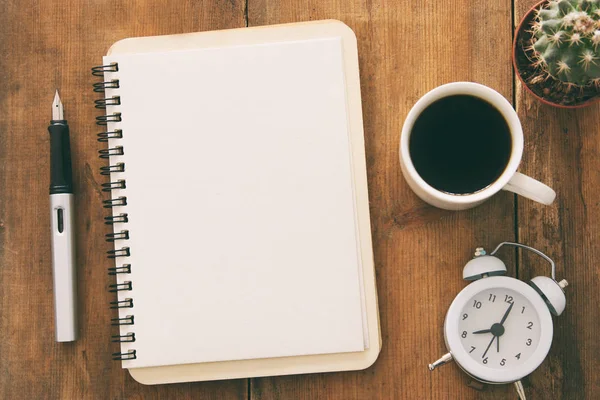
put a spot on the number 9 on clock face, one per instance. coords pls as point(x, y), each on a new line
point(513, 342)
point(498, 329)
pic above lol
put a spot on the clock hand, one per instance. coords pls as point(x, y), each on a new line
point(502, 326)
point(506, 313)
point(483, 331)
point(498, 344)
point(489, 345)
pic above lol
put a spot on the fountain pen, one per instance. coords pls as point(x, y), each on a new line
point(62, 223)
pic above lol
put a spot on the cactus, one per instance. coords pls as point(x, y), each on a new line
point(566, 42)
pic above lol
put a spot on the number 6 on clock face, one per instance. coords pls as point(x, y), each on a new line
point(498, 329)
point(514, 343)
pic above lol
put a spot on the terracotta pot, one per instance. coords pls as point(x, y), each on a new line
point(523, 25)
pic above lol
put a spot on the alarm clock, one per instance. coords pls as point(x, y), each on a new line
point(499, 329)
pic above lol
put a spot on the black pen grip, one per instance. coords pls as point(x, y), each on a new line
point(61, 174)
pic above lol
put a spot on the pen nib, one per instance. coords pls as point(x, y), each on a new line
point(57, 109)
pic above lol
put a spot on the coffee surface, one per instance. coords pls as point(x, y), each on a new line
point(460, 144)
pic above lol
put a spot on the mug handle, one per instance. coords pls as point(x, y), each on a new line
point(530, 188)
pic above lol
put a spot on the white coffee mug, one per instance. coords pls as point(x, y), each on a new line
point(510, 179)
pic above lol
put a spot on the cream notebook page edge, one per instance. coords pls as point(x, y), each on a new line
point(263, 259)
point(302, 364)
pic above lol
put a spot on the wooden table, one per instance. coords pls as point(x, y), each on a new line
point(406, 48)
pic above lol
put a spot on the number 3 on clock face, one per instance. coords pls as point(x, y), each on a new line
point(498, 329)
point(512, 342)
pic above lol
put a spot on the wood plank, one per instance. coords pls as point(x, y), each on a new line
point(562, 148)
point(406, 50)
point(46, 45)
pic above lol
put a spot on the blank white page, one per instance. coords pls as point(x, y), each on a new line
point(240, 203)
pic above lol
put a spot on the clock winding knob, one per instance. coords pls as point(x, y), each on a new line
point(563, 284)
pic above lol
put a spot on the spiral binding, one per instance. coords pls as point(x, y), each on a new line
point(103, 120)
point(127, 303)
point(130, 355)
point(100, 87)
point(101, 69)
point(115, 151)
point(128, 320)
point(108, 186)
point(119, 201)
point(109, 101)
point(108, 153)
point(118, 287)
point(123, 269)
point(111, 237)
point(107, 170)
point(104, 136)
point(130, 337)
point(114, 219)
point(122, 252)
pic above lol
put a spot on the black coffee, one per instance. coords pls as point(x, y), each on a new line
point(460, 144)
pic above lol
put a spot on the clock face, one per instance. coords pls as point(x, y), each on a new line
point(499, 328)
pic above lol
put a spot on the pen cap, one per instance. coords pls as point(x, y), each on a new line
point(61, 174)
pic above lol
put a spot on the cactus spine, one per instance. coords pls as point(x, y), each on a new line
point(566, 42)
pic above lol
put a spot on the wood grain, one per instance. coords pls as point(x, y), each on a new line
point(563, 149)
point(406, 50)
point(46, 45)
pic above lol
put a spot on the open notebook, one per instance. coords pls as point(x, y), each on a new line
point(240, 216)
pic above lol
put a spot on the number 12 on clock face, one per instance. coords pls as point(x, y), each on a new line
point(499, 327)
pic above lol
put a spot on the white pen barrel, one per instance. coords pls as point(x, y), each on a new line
point(63, 266)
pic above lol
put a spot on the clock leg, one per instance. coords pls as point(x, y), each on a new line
point(520, 390)
point(446, 358)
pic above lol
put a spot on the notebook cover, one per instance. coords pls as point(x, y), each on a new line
point(297, 364)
